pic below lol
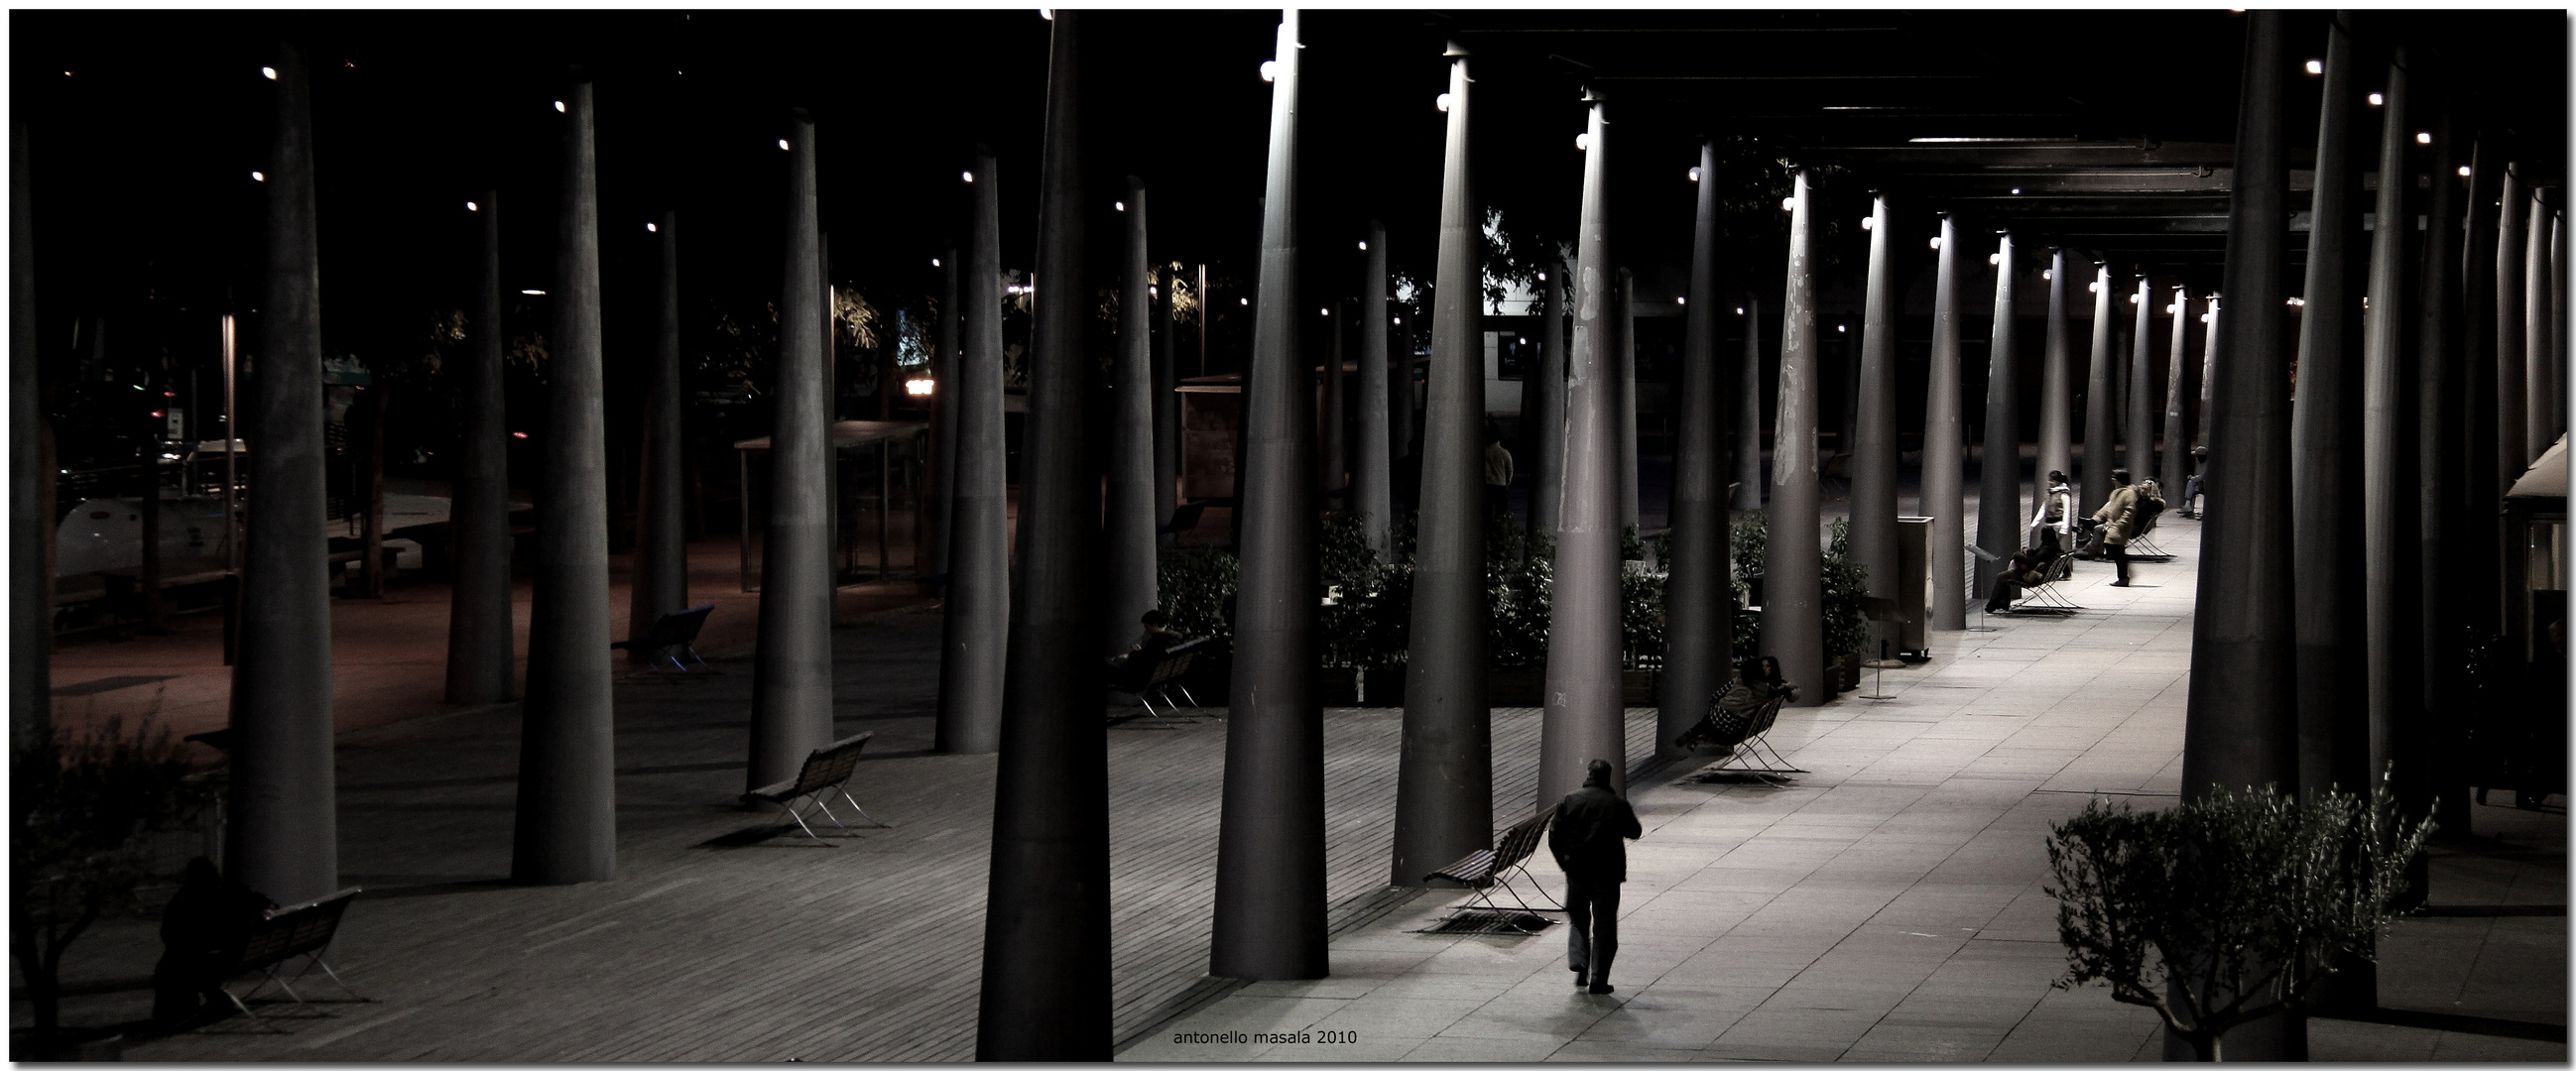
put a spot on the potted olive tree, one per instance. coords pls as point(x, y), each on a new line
point(2228, 908)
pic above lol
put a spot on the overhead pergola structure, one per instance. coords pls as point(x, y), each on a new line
point(2105, 132)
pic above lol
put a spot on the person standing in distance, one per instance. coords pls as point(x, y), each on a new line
point(1588, 837)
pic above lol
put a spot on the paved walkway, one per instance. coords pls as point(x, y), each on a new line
point(1883, 907)
point(1888, 906)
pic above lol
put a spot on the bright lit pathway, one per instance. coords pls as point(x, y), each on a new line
point(1887, 905)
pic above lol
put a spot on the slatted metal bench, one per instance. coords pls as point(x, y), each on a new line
point(1165, 678)
point(826, 772)
point(1741, 733)
point(1485, 868)
point(2043, 597)
point(671, 635)
point(304, 929)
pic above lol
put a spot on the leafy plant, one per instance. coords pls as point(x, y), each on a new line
point(82, 814)
point(1520, 584)
point(1846, 582)
point(1748, 543)
point(1197, 589)
point(2230, 907)
point(1359, 617)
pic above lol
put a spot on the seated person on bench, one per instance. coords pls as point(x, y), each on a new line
point(1762, 682)
point(1148, 648)
point(2030, 567)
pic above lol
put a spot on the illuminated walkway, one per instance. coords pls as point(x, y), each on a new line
point(1887, 906)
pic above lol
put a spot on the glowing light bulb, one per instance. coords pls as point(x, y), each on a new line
point(1936, 241)
point(559, 106)
point(1441, 102)
point(269, 73)
point(2377, 100)
point(472, 207)
point(1788, 204)
point(1583, 142)
point(1270, 70)
point(652, 228)
point(2423, 137)
point(1869, 223)
point(782, 143)
point(1119, 205)
point(2464, 171)
point(257, 176)
point(934, 262)
point(966, 175)
point(1364, 247)
point(2316, 66)
point(1694, 173)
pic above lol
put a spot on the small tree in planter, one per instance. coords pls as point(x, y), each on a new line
point(2228, 908)
point(82, 813)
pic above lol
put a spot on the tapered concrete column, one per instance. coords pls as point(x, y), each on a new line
point(1444, 802)
point(2094, 483)
point(1944, 450)
point(943, 420)
point(1046, 979)
point(661, 584)
point(2513, 330)
point(2325, 443)
point(1793, 621)
point(2479, 540)
point(1547, 468)
point(1748, 411)
point(482, 655)
point(2540, 370)
point(30, 576)
point(282, 833)
point(1627, 359)
point(2392, 600)
point(2441, 378)
point(2140, 428)
point(1332, 466)
point(2212, 340)
point(1270, 841)
point(2056, 385)
point(1699, 604)
point(2241, 726)
point(1873, 486)
point(1998, 487)
point(1372, 492)
point(1585, 717)
point(567, 826)
point(791, 686)
point(975, 631)
point(1167, 410)
point(2557, 319)
point(2177, 472)
point(1128, 589)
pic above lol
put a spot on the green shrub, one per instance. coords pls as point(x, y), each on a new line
point(2233, 905)
point(1845, 583)
point(1195, 586)
point(1520, 582)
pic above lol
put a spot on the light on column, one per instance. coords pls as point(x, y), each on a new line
point(1868, 222)
point(1936, 241)
point(559, 106)
point(1270, 70)
point(1441, 102)
point(2377, 100)
point(1583, 142)
point(1694, 173)
point(472, 207)
point(269, 73)
point(259, 176)
point(2316, 66)
point(653, 228)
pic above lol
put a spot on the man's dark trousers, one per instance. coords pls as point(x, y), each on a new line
point(1592, 906)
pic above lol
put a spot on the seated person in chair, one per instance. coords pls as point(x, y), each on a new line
point(2029, 568)
point(1141, 655)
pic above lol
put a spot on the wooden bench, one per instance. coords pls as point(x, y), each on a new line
point(670, 634)
point(1485, 868)
point(826, 771)
point(304, 929)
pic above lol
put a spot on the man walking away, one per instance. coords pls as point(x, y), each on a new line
point(1588, 838)
point(1498, 476)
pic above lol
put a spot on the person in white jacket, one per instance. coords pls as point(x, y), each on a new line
point(2056, 510)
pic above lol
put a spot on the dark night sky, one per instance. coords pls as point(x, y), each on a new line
point(142, 152)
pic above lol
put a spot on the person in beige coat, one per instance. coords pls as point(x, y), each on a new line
point(2119, 518)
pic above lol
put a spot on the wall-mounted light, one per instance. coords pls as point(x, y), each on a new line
point(1246, 301)
point(1869, 223)
point(1120, 205)
point(1694, 173)
point(559, 106)
point(2464, 171)
point(2423, 137)
point(1739, 310)
point(966, 175)
point(472, 207)
point(2048, 273)
point(1788, 204)
point(1326, 312)
point(269, 73)
point(2377, 100)
point(653, 228)
point(919, 388)
point(1583, 142)
point(2093, 288)
point(259, 176)
point(1681, 301)
point(1994, 258)
point(1841, 328)
point(2316, 66)
point(1364, 246)
point(1936, 241)
point(1441, 102)
point(782, 143)
point(1270, 70)
point(934, 262)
